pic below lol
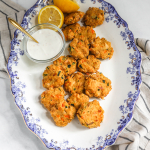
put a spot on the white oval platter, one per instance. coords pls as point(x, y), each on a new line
point(123, 70)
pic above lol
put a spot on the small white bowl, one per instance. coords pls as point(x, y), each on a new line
point(39, 27)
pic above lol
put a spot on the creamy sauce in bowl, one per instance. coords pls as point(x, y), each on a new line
point(50, 44)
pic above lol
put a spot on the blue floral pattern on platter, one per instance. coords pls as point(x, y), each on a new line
point(126, 109)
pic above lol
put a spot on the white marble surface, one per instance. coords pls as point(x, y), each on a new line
point(14, 134)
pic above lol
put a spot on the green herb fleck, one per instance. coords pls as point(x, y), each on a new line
point(95, 17)
point(103, 81)
point(62, 77)
point(74, 89)
point(80, 66)
point(72, 104)
point(107, 84)
point(45, 75)
point(65, 106)
point(58, 73)
point(47, 67)
point(108, 53)
point(64, 58)
point(69, 48)
point(98, 89)
point(69, 66)
point(73, 63)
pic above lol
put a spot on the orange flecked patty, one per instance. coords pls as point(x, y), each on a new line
point(97, 85)
point(75, 83)
point(73, 17)
point(53, 76)
point(94, 17)
point(90, 114)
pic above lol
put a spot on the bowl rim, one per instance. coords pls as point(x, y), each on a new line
point(24, 44)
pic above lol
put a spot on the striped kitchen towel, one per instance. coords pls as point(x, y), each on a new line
point(137, 134)
point(16, 12)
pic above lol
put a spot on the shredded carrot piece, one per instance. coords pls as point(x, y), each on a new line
point(83, 60)
point(58, 115)
point(67, 116)
point(93, 31)
point(58, 95)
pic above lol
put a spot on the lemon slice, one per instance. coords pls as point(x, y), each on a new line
point(51, 14)
point(67, 6)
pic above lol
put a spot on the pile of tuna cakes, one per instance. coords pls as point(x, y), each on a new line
point(78, 73)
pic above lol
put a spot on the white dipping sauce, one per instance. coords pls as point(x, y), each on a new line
point(50, 44)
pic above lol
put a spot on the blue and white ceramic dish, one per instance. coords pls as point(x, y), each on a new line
point(123, 70)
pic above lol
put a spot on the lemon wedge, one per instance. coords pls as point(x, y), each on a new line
point(51, 14)
point(67, 6)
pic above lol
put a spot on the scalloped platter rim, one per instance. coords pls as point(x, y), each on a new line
point(123, 70)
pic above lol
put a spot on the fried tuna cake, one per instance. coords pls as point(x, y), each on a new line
point(79, 48)
point(89, 65)
point(101, 48)
point(97, 85)
point(77, 99)
point(75, 83)
point(67, 63)
point(62, 113)
point(52, 96)
point(94, 17)
point(71, 31)
point(90, 114)
point(73, 17)
point(53, 76)
point(87, 33)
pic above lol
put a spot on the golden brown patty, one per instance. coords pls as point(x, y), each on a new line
point(78, 48)
point(97, 85)
point(89, 65)
point(53, 76)
point(52, 96)
point(101, 48)
point(77, 99)
point(75, 83)
point(94, 17)
point(87, 33)
point(71, 31)
point(90, 114)
point(62, 113)
point(67, 63)
point(73, 17)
